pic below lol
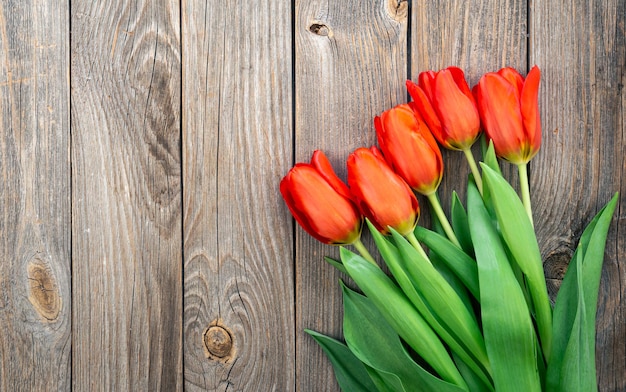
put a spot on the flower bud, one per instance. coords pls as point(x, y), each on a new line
point(510, 113)
point(383, 196)
point(410, 148)
point(321, 203)
point(446, 104)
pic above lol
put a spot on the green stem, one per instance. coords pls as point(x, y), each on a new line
point(363, 251)
point(472, 163)
point(523, 181)
point(434, 202)
point(416, 244)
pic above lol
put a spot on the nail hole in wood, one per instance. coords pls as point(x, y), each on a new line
point(319, 29)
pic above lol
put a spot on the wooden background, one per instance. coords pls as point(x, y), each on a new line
point(143, 242)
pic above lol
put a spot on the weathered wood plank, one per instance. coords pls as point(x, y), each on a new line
point(581, 49)
point(351, 64)
point(477, 36)
point(35, 277)
point(126, 189)
point(237, 144)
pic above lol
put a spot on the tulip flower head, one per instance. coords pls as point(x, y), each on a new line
point(383, 196)
point(410, 148)
point(321, 203)
point(509, 110)
point(446, 104)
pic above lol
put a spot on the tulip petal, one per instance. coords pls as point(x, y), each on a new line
point(378, 125)
point(409, 148)
point(378, 154)
point(426, 82)
point(323, 213)
point(320, 162)
point(382, 195)
point(457, 112)
point(459, 78)
point(513, 77)
point(425, 109)
point(286, 186)
point(501, 116)
point(530, 111)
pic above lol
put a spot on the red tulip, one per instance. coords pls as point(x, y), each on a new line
point(321, 203)
point(410, 148)
point(445, 102)
point(383, 196)
point(510, 114)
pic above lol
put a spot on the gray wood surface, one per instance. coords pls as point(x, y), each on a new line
point(581, 49)
point(126, 196)
point(237, 144)
point(35, 265)
point(143, 241)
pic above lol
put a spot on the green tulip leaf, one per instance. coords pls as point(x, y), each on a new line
point(442, 267)
point(350, 373)
point(572, 365)
point(394, 261)
point(438, 263)
point(444, 303)
point(474, 382)
point(460, 224)
point(463, 266)
point(385, 382)
point(336, 263)
point(519, 236)
point(507, 326)
point(378, 346)
point(490, 158)
point(397, 309)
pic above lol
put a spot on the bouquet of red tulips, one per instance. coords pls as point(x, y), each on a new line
point(464, 306)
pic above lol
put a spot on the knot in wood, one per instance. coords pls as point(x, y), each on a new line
point(554, 269)
point(556, 264)
point(398, 9)
point(319, 29)
point(218, 341)
point(43, 293)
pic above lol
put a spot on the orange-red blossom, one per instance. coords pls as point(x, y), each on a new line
point(383, 196)
point(447, 105)
point(410, 148)
point(510, 113)
point(321, 203)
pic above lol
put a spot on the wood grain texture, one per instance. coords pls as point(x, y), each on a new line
point(35, 277)
point(126, 191)
point(581, 49)
point(477, 36)
point(237, 144)
point(351, 64)
point(149, 248)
